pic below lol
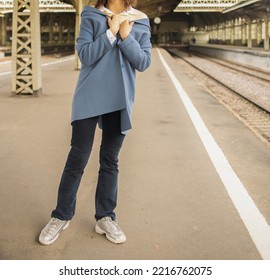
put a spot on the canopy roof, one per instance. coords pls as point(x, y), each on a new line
point(152, 8)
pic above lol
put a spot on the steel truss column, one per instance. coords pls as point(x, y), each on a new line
point(26, 51)
point(79, 7)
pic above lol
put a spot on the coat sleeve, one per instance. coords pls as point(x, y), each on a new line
point(90, 50)
point(137, 53)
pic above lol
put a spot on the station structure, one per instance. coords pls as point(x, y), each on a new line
point(197, 156)
point(36, 27)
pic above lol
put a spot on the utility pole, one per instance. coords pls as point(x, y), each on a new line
point(26, 49)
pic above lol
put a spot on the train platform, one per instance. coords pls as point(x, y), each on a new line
point(255, 57)
point(254, 50)
point(194, 180)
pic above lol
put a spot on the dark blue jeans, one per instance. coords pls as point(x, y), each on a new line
point(83, 132)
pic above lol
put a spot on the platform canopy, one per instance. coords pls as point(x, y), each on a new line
point(6, 6)
point(152, 8)
point(253, 9)
point(189, 6)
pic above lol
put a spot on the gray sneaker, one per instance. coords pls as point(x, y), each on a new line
point(109, 227)
point(52, 230)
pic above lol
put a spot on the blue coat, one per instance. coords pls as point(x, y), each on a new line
point(107, 78)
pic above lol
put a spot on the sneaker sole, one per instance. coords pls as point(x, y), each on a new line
point(101, 231)
point(51, 241)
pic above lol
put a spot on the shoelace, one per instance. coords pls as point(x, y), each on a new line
point(113, 226)
point(53, 226)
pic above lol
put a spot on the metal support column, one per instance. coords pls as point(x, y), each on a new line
point(238, 30)
point(79, 8)
point(3, 30)
point(26, 50)
point(216, 32)
point(266, 31)
point(249, 44)
point(227, 30)
point(259, 31)
point(233, 23)
point(223, 32)
point(244, 33)
point(219, 32)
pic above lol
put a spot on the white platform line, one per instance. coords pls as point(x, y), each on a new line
point(5, 73)
point(5, 62)
point(258, 228)
point(59, 61)
point(45, 64)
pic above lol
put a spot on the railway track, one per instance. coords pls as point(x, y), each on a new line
point(256, 73)
point(248, 83)
point(243, 90)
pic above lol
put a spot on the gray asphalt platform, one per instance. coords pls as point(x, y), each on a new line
point(172, 204)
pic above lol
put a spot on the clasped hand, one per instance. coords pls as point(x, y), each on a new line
point(124, 28)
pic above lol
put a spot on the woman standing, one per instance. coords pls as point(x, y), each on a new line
point(114, 42)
